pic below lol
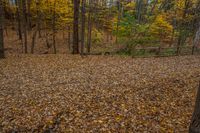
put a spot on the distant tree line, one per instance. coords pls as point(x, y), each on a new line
point(133, 23)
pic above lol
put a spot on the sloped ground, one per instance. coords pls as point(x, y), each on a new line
point(63, 93)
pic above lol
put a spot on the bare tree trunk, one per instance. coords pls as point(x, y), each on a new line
point(47, 36)
point(47, 40)
point(118, 20)
point(180, 38)
point(89, 28)
point(19, 19)
point(39, 19)
point(83, 26)
point(46, 30)
point(139, 10)
point(33, 41)
point(54, 28)
point(195, 122)
point(75, 27)
point(29, 14)
point(69, 38)
point(25, 25)
point(196, 40)
point(37, 29)
point(2, 54)
point(179, 44)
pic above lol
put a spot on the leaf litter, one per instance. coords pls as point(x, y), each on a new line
point(64, 93)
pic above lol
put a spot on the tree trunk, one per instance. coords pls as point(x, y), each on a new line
point(2, 55)
point(25, 25)
point(69, 38)
point(181, 36)
point(179, 44)
point(54, 28)
point(19, 19)
point(83, 26)
point(118, 19)
point(139, 10)
point(46, 29)
point(39, 18)
point(195, 122)
point(196, 40)
point(89, 29)
point(33, 41)
point(75, 27)
point(29, 14)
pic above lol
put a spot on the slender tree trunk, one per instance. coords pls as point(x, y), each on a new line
point(19, 19)
point(2, 54)
point(47, 36)
point(75, 27)
point(47, 40)
point(139, 10)
point(54, 28)
point(195, 122)
point(39, 19)
point(69, 38)
point(29, 14)
point(33, 41)
point(46, 29)
point(89, 28)
point(180, 38)
point(25, 25)
point(37, 29)
point(196, 40)
point(83, 27)
point(179, 44)
point(118, 20)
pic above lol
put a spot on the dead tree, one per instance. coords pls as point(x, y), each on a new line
point(2, 55)
point(195, 122)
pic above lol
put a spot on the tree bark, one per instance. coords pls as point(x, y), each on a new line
point(39, 18)
point(89, 28)
point(19, 19)
point(196, 40)
point(195, 122)
point(83, 26)
point(118, 19)
point(25, 25)
point(75, 27)
point(33, 41)
point(54, 28)
point(69, 38)
point(180, 38)
point(29, 14)
point(2, 54)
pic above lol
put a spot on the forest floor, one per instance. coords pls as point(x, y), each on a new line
point(65, 93)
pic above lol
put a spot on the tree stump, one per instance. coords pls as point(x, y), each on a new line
point(195, 122)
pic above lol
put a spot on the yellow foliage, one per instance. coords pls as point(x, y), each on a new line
point(130, 5)
point(161, 28)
